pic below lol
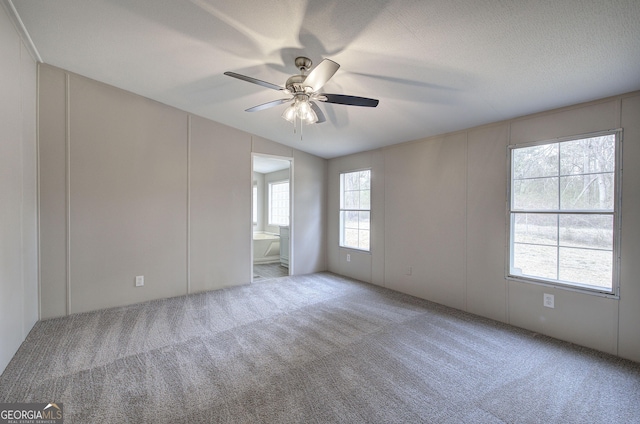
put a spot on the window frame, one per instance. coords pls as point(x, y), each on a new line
point(343, 209)
point(269, 200)
point(616, 214)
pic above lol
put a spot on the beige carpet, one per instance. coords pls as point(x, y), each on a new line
point(312, 349)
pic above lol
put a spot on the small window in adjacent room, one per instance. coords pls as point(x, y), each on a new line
point(564, 206)
point(255, 203)
point(279, 203)
point(355, 209)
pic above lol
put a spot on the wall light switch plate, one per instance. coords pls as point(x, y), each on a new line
point(139, 280)
point(348, 257)
point(548, 300)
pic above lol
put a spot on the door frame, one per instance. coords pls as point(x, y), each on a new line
point(291, 206)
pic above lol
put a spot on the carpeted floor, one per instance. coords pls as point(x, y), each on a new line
point(312, 349)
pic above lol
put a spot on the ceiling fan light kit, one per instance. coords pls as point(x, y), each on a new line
point(304, 91)
point(300, 109)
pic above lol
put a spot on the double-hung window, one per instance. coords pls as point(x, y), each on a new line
point(563, 207)
point(355, 209)
point(254, 195)
point(279, 203)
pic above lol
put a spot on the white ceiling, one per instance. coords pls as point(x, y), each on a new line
point(265, 165)
point(435, 65)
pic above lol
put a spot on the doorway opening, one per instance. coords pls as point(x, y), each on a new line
point(272, 189)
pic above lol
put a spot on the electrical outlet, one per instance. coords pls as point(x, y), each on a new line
point(548, 300)
point(139, 280)
point(409, 270)
point(348, 257)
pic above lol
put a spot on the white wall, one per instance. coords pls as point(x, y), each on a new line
point(129, 186)
point(629, 306)
point(309, 229)
point(220, 204)
point(424, 217)
point(127, 164)
point(439, 207)
point(18, 213)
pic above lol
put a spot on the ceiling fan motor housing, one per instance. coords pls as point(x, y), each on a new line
point(295, 84)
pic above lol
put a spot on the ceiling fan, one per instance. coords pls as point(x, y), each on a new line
point(303, 92)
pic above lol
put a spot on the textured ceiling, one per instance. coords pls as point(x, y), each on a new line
point(435, 65)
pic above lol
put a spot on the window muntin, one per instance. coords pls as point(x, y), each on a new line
point(355, 210)
point(563, 212)
point(279, 203)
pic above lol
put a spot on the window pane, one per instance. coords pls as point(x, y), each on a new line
point(535, 194)
point(595, 231)
point(363, 239)
point(592, 267)
point(351, 238)
point(587, 192)
point(363, 219)
point(365, 199)
point(279, 203)
point(365, 180)
point(255, 204)
point(535, 228)
point(342, 185)
point(351, 199)
point(535, 161)
point(536, 261)
point(351, 220)
point(589, 155)
point(351, 181)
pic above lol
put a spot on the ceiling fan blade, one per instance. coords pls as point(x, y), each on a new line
point(255, 81)
point(342, 99)
point(321, 74)
point(318, 112)
point(267, 105)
